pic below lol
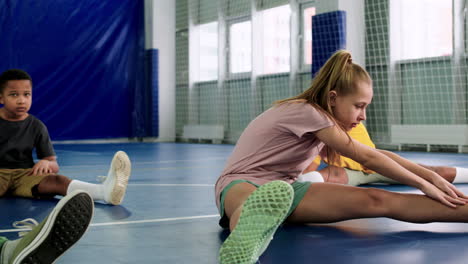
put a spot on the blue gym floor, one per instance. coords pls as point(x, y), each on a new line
point(169, 215)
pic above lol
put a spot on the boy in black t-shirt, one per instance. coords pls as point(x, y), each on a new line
point(21, 132)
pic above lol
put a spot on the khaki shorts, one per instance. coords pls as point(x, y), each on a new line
point(18, 182)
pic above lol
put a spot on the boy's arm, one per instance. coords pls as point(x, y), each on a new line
point(45, 151)
point(45, 165)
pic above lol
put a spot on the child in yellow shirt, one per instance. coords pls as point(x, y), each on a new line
point(350, 172)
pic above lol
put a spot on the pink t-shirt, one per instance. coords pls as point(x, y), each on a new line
point(277, 145)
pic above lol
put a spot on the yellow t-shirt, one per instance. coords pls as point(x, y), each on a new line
point(359, 133)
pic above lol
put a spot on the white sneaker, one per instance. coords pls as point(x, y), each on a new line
point(115, 184)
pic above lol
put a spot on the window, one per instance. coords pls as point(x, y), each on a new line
point(424, 28)
point(307, 14)
point(240, 47)
point(276, 39)
point(208, 51)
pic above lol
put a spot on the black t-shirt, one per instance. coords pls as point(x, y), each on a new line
point(19, 138)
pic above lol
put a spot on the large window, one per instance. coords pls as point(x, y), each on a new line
point(240, 47)
point(208, 50)
point(424, 28)
point(276, 39)
point(307, 13)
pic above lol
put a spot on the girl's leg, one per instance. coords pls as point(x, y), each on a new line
point(234, 200)
point(451, 174)
point(326, 203)
point(254, 214)
point(447, 173)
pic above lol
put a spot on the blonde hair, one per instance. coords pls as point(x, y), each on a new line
point(339, 74)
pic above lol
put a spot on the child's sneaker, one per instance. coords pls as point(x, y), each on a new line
point(262, 213)
point(115, 184)
point(62, 228)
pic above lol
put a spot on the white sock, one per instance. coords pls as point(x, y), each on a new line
point(313, 176)
point(95, 190)
point(461, 175)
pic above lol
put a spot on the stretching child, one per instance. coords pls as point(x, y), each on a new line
point(348, 171)
point(47, 241)
point(21, 132)
point(258, 189)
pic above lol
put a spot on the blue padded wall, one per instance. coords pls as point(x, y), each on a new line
point(328, 36)
point(86, 59)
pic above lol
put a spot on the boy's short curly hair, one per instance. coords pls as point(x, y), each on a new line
point(12, 75)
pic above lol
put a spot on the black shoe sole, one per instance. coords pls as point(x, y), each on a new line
point(68, 226)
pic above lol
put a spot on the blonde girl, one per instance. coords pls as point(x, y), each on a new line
point(258, 189)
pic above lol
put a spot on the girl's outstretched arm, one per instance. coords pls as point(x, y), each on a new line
point(338, 140)
point(422, 172)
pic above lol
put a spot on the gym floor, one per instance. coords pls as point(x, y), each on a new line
point(169, 215)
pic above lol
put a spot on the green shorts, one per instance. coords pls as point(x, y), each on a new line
point(300, 189)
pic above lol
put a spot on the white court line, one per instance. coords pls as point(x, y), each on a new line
point(151, 162)
point(99, 168)
point(130, 222)
point(155, 220)
point(171, 184)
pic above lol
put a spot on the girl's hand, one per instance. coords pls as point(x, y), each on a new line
point(41, 167)
point(438, 192)
point(448, 188)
